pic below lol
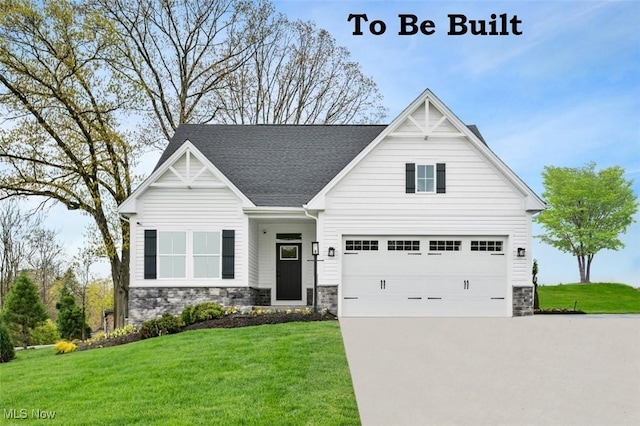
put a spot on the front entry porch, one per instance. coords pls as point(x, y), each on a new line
point(279, 263)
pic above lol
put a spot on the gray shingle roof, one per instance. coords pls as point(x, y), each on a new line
point(278, 165)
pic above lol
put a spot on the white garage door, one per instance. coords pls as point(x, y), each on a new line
point(424, 276)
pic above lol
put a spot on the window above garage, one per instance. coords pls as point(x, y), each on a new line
point(425, 178)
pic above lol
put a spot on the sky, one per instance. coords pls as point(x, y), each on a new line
point(564, 92)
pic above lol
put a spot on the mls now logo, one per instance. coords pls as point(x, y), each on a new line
point(23, 413)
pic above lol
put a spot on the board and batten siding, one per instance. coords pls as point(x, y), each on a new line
point(479, 200)
point(183, 209)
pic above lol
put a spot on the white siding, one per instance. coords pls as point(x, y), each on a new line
point(253, 259)
point(479, 200)
point(179, 209)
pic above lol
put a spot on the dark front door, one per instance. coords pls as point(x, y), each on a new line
point(288, 271)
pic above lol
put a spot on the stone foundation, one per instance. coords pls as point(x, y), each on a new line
point(149, 303)
point(328, 298)
point(522, 301)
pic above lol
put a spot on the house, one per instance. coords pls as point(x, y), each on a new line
point(415, 218)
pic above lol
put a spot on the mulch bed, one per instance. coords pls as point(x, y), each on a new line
point(228, 321)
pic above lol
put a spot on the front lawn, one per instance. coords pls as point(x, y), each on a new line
point(598, 298)
point(284, 374)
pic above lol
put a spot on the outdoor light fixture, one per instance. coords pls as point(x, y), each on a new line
point(332, 252)
point(521, 251)
point(315, 248)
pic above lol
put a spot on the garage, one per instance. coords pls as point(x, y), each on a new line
point(402, 276)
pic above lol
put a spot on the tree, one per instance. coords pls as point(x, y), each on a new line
point(15, 226)
point(587, 211)
point(23, 309)
point(178, 53)
point(300, 76)
point(61, 140)
point(82, 265)
point(44, 260)
point(71, 323)
point(99, 299)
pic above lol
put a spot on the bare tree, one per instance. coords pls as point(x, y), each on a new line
point(15, 226)
point(82, 263)
point(300, 76)
point(45, 260)
point(61, 139)
point(179, 53)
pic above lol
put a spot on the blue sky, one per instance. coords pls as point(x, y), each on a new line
point(564, 93)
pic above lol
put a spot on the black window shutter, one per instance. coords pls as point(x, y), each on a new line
point(441, 178)
point(150, 262)
point(228, 253)
point(410, 171)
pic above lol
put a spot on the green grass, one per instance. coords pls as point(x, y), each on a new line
point(285, 374)
point(598, 298)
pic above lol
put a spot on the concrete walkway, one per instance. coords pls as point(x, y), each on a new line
point(542, 370)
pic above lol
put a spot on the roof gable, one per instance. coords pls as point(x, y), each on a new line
point(276, 165)
point(428, 117)
point(186, 167)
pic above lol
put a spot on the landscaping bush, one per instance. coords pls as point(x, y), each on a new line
point(45, 334)
point(202, 312)
point(64, 347)
point(166, 324)
point(7, 352)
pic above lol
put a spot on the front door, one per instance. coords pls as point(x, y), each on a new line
point(288, 271)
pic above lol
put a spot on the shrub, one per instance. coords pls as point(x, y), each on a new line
point(166, 324)
point(202, 312)
point(64, 347)
point(45, 334)
point(122, 331)
point(7, 352)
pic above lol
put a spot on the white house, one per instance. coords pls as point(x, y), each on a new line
point(415, 218)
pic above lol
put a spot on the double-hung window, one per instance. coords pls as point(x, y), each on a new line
point(206, 254)
point(425, 178)
point(172, 254)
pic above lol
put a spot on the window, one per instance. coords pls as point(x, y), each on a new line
point(288, 252)
point(172, 254)
point(398, 245)
point(486, 245)
point(444, 245)
point(206, 255)
point(425, 178)
point(367, 245)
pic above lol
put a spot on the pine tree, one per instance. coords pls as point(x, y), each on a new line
point(23, 308)
point(70, 321)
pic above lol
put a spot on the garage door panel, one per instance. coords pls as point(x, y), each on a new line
point(425, 276)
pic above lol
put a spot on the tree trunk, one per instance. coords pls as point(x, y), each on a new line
point(120, 276)
point(588, 268)
point(584, 277)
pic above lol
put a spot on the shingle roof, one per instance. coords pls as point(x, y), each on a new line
point(278, 165)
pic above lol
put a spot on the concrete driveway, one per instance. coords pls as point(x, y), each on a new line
point(542, 370)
